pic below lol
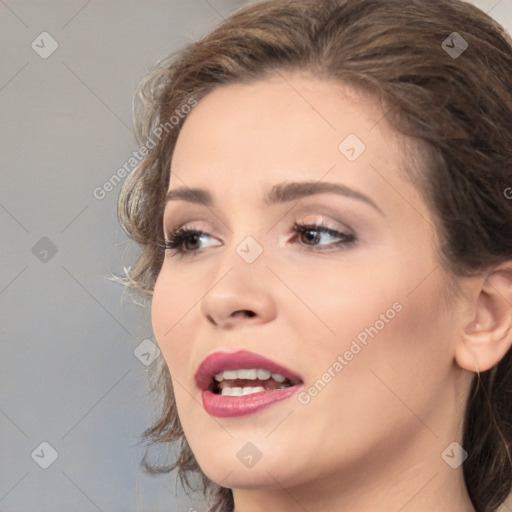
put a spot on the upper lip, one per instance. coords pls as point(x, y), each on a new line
point(219, 361)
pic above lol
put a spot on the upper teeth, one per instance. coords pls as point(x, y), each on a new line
point(251, 374)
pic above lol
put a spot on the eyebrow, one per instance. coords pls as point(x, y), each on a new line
point(280, 193)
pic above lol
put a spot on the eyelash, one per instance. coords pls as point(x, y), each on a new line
point(176, 239)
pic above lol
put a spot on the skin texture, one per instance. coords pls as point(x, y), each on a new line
point(375, 433)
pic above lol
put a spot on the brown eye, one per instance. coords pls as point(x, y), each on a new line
point(310, 236)
point(314, 234)
point(186, 241)
point(191, 241)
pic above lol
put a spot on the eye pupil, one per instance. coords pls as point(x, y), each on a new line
point(311, 235)
point(193, 240)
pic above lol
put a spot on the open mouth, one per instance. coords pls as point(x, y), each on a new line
point(240, 383)
point(247, 381)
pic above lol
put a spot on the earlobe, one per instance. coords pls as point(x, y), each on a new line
point(487, 336)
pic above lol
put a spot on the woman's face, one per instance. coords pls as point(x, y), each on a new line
point(352, 310)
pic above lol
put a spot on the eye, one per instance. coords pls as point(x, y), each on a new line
point(319, 235)
point(186, 241)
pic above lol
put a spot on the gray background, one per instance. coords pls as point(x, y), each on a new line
point(69, 371)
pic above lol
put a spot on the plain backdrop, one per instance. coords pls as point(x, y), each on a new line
point(73, 356)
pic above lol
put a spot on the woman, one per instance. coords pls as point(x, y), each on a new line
point(327, 240)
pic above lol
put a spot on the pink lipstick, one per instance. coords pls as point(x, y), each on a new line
point(240, 383)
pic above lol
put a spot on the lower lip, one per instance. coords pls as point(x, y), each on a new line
point(231, 406)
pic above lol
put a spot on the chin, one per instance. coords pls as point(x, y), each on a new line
point(261, 476)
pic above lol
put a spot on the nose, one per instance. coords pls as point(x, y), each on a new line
point(239, 295)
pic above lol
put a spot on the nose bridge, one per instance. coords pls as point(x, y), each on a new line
point(239, 291)
point(244, 249)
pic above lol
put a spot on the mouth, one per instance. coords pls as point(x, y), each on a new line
point(248, 381)
point(235, 384)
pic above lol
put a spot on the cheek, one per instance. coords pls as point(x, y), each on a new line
point(336, 299)
point(398, 356)
point(172, 320)
point(385, 318)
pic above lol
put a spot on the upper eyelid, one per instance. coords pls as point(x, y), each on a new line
point(187, 226)
point(326, 217)
point(203, 216)
point(306, 203)
point(323, 222)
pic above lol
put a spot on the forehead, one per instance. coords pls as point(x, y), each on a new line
point(241, 138)
point(282, 116)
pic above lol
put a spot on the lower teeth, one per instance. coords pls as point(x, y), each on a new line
point(245, 390)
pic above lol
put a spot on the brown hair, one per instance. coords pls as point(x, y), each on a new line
point(458, 106)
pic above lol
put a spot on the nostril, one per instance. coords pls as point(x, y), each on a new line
point(245, 312)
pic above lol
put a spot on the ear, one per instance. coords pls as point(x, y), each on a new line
point(487, 332)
